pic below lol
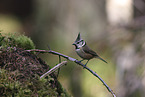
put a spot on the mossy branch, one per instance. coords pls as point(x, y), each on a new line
point(76, 61)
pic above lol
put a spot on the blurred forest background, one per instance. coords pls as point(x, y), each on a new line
point(115, 29)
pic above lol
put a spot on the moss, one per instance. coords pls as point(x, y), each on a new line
point(24, 42)
point(13, 40)
point(20, 71)
point(10, 86)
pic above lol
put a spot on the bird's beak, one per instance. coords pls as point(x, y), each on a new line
point(74, 44)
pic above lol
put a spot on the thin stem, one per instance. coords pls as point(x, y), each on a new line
point(58, 68)
point(54, 68)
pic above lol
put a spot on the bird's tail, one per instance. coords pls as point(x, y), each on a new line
point(102, 59)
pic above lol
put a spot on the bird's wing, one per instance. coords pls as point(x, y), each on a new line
point(89, 51)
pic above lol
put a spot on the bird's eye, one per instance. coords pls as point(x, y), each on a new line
point(78, 42)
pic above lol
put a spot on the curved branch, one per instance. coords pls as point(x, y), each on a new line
point(78, 62)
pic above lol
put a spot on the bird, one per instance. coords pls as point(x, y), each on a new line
point(83, 50)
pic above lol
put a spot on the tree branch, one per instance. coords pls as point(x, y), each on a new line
point(54, 68)
point(76, 61)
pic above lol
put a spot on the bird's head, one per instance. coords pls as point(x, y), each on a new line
point(79, 42)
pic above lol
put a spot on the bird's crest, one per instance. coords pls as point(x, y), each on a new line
point(78, 38)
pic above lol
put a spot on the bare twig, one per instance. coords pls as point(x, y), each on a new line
point(58, 68)
point(54, 68)
point(78, 62)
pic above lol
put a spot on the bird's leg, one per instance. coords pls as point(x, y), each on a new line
point(86, 62)
point(81, 60)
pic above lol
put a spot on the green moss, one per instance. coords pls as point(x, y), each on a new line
point(20, 70)
point(9, 86)
point(13, 40)
point(24, 42)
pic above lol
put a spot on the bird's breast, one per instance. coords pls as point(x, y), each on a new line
point(84, 55)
